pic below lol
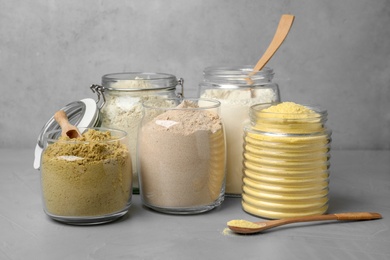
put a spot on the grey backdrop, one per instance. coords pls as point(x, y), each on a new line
point(337, 55)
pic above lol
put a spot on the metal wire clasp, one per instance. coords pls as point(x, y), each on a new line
point(99, 90)
point(180, 82)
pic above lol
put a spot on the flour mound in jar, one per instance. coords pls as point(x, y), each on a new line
point(87, 176)
point(182, 158)
point(123, 111)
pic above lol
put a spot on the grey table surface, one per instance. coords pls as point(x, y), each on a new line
point(360, 181)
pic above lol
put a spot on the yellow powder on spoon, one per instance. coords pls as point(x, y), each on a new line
point(241, 223)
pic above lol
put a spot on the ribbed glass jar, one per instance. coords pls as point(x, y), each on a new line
point(123, 94)
point(286, 162)
point(237, 88)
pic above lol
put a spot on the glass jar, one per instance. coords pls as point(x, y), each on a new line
point(87, 180)
point(286, 162)
point(181, 156)
point(237, 91)
point(123, 94)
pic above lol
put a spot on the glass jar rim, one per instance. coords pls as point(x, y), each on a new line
point(52, 136)
point(239, 70)
point(151, 104)
point(159, 80)
point(319, 111)
point(237, 77)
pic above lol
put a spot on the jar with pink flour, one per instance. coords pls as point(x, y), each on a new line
point(181, 156)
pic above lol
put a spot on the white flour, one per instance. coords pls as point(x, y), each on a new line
point(122, 111)
point(235, 105)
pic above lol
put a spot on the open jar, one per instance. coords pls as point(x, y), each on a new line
point(122, 96)
point(237, 88)
point(87, 180)
point(286, 161)
point(181, 156)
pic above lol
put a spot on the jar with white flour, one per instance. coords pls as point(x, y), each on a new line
point(122, 95)
point(237, 91)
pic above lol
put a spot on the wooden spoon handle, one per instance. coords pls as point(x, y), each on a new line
point(62, 119)
point(284, 26)
point(358, 216)
point(67, 129)
point(351, 216)
point(339, 216)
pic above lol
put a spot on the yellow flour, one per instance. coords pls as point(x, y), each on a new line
point(290, 109)
point(243, 224)
point(288, 118)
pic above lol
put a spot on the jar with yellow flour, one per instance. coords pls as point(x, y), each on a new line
point(286, 161)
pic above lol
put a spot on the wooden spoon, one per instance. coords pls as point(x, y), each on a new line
point(284, 26)
point(67, 129)
point(247, 227)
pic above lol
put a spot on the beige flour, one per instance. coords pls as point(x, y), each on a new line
point(87, 176)
point(182, 158)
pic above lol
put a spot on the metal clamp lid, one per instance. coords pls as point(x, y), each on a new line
point(180, 82)
point(99, 90)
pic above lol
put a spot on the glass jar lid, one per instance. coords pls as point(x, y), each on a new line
point(83, 113)
point(241, 75)
point(136, 81)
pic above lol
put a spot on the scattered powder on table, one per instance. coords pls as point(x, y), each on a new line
point(87, 176)
point(227, 232)
point(182, 157)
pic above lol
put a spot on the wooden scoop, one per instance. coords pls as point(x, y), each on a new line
point(284, 27)
point(247, 227)
point(67, 129)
